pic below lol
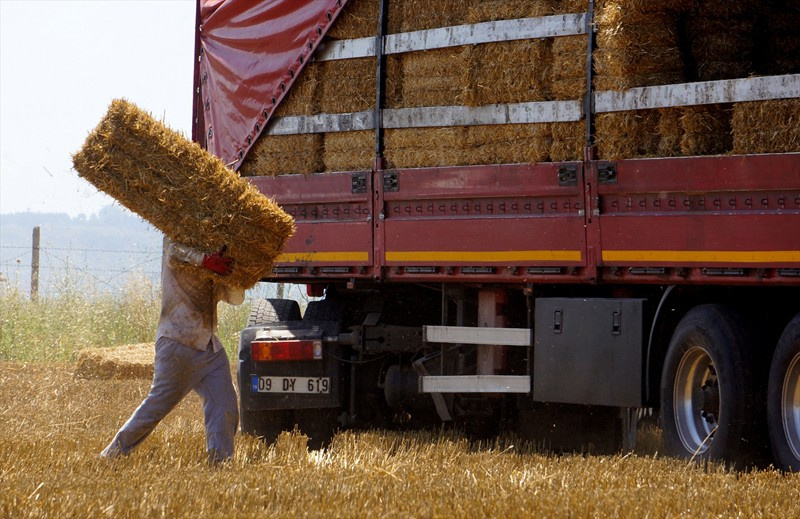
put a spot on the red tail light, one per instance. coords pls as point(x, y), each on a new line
point(265, 351)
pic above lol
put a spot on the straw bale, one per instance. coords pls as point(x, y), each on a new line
point(183, 191)
point(569, 67)
point(783, 42)
point(393, 94)
point(132, 361)
point(570, 6)
point(508, 143)
point(491, 10)
point(720, 47)
point(347, 85)
point(274, 155)
point(630, 134)
point(634, 81)
point(434, 78)
point(767, 126)
point(359, 19)
point(508, 72)
point(615, 12)
point(303, 96)
point(568, 141)
point(424, 147)
point(349, 151)
point(630, 62)
point(706, 130)
point(669, 131)
point(725, 8)
point(624, 36)
point(417, 15)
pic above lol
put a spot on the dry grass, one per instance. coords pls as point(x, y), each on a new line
point(53, 425)
point(183, 191)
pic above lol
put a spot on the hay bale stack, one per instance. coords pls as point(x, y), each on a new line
point(133, 361)
point(507, 144)
point(274, 155)
point(347, 85)
point(434, 78)
point(637, 45)
point(627, 134)
point(670, 132)
point(706, 130)
point(303, 96)
point(349, 151)
point(183, 191)
point(417, 15)
point(767, 126)
point(492, 10)
point(783, 39)
point(425, 147)
point(359, 19)
point(720, 35)
point(568, 141)
point(508, 72)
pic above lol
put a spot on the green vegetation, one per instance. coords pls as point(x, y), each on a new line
point(57, 326)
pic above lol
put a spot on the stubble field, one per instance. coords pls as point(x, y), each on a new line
point(53, 424)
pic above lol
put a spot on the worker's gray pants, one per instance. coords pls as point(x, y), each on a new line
point(178, 370)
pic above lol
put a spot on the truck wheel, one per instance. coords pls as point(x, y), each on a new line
point(323, 310)
point(783, 399)
point(708, 388)
point(266, 425)
point(318, 424)
point(265, 311)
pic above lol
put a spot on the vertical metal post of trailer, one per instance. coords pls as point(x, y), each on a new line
point(491, 358)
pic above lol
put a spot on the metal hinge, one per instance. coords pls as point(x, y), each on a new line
point(390, 180)
point(607, 173)
point(359, 183)
point(567, 176)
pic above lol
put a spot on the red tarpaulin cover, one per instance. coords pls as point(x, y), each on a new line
point(248, 55)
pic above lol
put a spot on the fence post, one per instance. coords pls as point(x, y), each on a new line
point(35, 264)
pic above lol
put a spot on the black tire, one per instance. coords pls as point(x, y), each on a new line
point(266, 425)
point(320, 425)
point(323, 310)
point(577, 428)
point(783, 399)
point(265, 311)
point(710, 389)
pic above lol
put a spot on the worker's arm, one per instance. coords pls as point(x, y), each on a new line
point(216, 262)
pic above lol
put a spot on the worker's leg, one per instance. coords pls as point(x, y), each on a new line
point(220, 407)
point(173, 377)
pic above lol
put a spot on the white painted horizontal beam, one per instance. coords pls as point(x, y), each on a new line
point(477, 335)
point(454, 36)
point(475, 384)
point(431, 116)
point(700, 93)
point(534, 112)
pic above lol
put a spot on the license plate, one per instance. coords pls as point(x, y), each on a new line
point(314, 385)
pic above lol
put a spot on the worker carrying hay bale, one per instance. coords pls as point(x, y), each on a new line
point(184, 191)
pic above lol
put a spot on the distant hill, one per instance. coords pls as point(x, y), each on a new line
point(97, 253)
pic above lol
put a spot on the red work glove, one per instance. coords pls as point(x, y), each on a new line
point(218, 262)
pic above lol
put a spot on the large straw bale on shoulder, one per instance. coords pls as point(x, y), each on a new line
point(132, 361)
point(183, 191)
point(767, 126)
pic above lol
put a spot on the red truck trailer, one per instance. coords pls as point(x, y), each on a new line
point(554, 299)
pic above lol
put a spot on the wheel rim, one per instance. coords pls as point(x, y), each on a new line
point(696, 400)
point(790, 405)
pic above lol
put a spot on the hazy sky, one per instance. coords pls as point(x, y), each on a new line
point(61, 64)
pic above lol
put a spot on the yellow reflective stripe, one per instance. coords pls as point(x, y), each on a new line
point(298, 257)
point(710, 256)
point(485, 256)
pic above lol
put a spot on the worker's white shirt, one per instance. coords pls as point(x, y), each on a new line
point(189, 304)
